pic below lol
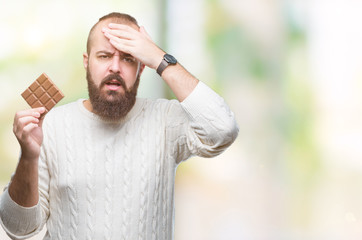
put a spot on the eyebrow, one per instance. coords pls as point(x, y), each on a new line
point(104, 52)
point(111, 53)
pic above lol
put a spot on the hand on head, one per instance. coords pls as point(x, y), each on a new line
point(135, 42)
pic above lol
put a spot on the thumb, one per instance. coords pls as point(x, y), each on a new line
point(41, 118)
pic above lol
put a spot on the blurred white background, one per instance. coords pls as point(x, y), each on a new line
point(290, 70)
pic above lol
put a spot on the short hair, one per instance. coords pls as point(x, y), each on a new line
point(117, 18)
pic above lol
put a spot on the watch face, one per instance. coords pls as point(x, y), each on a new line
point(170, 59)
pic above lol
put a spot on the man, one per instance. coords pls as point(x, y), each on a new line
point(104, 168)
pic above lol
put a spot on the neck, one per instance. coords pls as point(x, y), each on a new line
point(88, 105)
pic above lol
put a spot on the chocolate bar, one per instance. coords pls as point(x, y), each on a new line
point(42, 93)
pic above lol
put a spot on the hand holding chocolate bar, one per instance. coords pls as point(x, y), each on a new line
point(27, 128)
point(42, 95)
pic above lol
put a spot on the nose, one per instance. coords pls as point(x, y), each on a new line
point(115, 64)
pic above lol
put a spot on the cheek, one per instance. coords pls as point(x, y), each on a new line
point(131, 76)
point(97, 72)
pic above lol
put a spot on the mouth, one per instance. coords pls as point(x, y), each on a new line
point(113, 85)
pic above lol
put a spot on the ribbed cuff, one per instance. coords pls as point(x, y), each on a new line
point(18, 220)
point(200, 99)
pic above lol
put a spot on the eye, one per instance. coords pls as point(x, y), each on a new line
point(103, 56)
point(129, 59)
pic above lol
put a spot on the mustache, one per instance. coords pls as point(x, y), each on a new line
point(116, 77)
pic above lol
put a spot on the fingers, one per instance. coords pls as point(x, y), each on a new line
point(118, 33)
point(28, 129)
point(122, 41)
point(35, 112)
point(125, 31)
point(21, 124)
point(116, 38)
point(121, 31)
point(122, 27)
point(121, 44)
point(27, 119)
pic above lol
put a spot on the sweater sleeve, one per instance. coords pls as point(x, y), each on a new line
point(24, 222)
point(206, 123)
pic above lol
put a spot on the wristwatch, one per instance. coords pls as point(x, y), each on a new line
point(166, 61)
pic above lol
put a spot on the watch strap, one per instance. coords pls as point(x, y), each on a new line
point(162, 66)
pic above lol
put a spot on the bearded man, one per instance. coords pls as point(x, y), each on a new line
point(104, 167)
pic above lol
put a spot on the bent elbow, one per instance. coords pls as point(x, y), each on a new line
point(218, 142)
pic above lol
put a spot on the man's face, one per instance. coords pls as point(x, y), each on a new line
point(112, 76)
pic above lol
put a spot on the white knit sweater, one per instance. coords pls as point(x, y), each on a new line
point(102, 180)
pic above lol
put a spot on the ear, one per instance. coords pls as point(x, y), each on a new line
point(85, 60)
point(141, 68)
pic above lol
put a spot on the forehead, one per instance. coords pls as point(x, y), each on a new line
point(97, 38)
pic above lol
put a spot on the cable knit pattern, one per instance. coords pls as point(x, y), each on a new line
point(71, 188)
point(90, 167)
point(108, 193)
point(126, 184)
point(55, 223)
point(144, 183)
point(157, 178)
point(164, 199)
point(115, 180)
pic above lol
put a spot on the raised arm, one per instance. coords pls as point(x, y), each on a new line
point(140, 45)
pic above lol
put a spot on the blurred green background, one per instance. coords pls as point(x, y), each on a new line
point(289, 69)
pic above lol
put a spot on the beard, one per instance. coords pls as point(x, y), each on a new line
point(111, 105)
